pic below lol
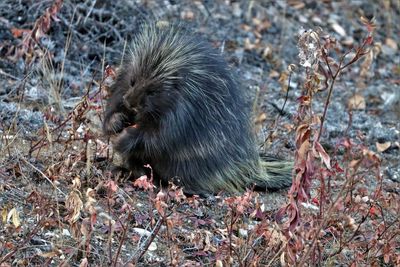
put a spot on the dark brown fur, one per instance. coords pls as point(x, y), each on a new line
point(176, 106)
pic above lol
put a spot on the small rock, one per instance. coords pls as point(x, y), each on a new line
point(237, 11)
point(153, 246)
point(65, 232)
point(339, 29)
point(141, 231)
point(388, 51)
point(243, 233)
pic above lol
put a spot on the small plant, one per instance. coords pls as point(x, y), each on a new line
point(29, 48)
point(313, 223)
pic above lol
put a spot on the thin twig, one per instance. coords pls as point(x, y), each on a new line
point(123, 237)
point(44, 175)
point(27, 239)
point(142, 250)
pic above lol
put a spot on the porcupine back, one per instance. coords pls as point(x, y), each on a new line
point(191, 121)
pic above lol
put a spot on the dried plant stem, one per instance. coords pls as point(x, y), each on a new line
point(149, 240)
point(328, 99)
point(121, 242)
point(305, 257)
point(45, 176)
point(110, 226)
point(287, 94)
point(360, 52)
point(27, 239)
point(170, 248)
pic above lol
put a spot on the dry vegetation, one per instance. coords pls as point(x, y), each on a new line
point(62, 207)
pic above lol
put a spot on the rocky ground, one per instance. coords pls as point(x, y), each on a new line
point(60, 204)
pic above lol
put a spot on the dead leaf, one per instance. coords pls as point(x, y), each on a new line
point(84, 263)
point(302, 151)
point(366, 64)
point(356, 102)
point(144, 183)
point(296, 4)
point(261, 118)
point(74, 206)
point(274, 74)
point(19, 32)
point(391, 43)
point(371, 155)
point(50, 254)
point(267, 52)
point(187, 15)
point(76, 183)
point(324, 156)
point(282, 259)
point(354, 163)
point(383, 146)
point(112, 185)
point(263, 25)
point(14, 215)
point(283, 79)
point(248, 45)
point(4, 215)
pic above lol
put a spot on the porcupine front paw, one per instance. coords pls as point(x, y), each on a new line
point(125, 173)
point(127, 141)
point(115, 123)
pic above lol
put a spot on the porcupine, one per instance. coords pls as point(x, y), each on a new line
point(176, 105)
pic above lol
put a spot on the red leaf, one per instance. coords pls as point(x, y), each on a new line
point(346, 143)
point(372, 211)
point(93, 219)
point(109, 72)
point(19, 32)
point(144, 183)
point(337, 168)
point(112, 186)
point(369, 40)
